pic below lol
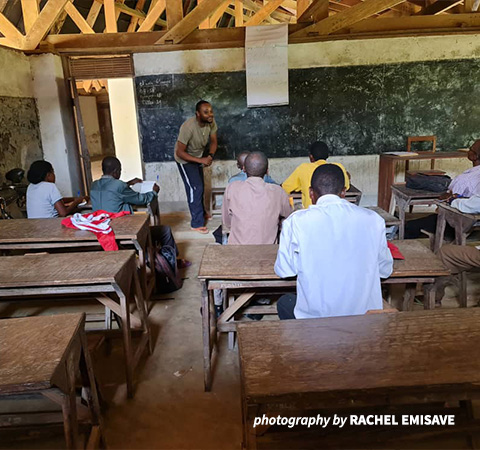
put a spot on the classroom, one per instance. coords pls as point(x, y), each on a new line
point(239, 224)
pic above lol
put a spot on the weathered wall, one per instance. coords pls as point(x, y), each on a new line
point(88, 106)
point(56, 122)
point(20, 142)
point(364, 168)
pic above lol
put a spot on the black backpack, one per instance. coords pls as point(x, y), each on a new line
point(432, 183)
point(167, 276)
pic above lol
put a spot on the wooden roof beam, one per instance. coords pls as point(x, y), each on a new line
point(239, 17)
point(317, 11)
point(13, 38)
point(152, 16)
point(190, 22)
point(348, 17)
point(263, 13)
point(45, 20)
point(30, 12)
point(78, 19)
point(217, 15)
point(134, 20)
point(174, 12)
point(438, 7)
point(443, 21)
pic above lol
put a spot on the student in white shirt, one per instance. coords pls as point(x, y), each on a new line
point(43, 197)
point(337, 250)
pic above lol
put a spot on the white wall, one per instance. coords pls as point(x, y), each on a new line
point(88, 106)
point(56, 123)
point(363, 168)
point(125, 128)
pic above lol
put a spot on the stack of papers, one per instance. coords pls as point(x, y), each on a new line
point(142, 188)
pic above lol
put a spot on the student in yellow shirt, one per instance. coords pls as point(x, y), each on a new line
point(301, 177)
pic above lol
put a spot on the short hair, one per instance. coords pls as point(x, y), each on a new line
point(38, 171)
point(328, 179)
point(256, 164)
point(110, 164)
point(241, 157)
point(319, 150)
point(475, 147)
point(199, 105)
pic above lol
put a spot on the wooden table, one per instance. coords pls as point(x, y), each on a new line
point(34, 234)
point(353, 195)
point(387, 169)
point(405, 197)
point(245, 270)
point(42, 355)
point(111, 277)
point(390, 219)
point(291, 366)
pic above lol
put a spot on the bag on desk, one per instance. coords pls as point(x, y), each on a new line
point(167, 277)
point(432, 183)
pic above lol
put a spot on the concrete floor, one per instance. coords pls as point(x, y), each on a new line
point(170, 409)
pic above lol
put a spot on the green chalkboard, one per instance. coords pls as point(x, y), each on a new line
point(356, 110)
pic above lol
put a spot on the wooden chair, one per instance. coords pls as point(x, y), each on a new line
point(411, 139)
point(215, 208)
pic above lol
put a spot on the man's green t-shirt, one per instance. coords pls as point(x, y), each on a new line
point(194, 137)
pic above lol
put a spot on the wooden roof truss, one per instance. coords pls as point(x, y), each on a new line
point(167, 24)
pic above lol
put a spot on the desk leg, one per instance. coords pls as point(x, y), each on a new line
point(429, 291)
point(440, 231)
point(207, 344)
point(386, 177)
point(90, 383)
point(409, 296)
point(127, 338)
point(462, 278)
point(402, 207)
point(249, 434)
point(69, 404)
point(142, 310)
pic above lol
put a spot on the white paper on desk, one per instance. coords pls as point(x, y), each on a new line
point(266, 58)
point(142, 188)
point(400, 153)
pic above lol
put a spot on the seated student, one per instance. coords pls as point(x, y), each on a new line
point(300, 178)
point(242, 176)
point(111, 194)
point(464, 185)
point(43, 197)
point(337, 250)
point(253, 209)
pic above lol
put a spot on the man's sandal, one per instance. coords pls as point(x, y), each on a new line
point(202, 230)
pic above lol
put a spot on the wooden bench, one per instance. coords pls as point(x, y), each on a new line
point(292, 366)
point(42, 355)
point(463, 224)
point(390, 219)
point(353, 195)
point(109, 277)
point(215, 208)
point(24, 235)
point(242, 271)
point(405, 197)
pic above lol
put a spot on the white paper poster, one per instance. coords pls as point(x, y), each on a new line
point(266, 55)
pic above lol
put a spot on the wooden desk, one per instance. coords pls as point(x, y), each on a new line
point(406, 197)
point(244, 270)
point(382, 359)
point(37, 234)
point(42, 355)
point(353, 195)
point(387, 168)
point(111, 277)
point(390, 220)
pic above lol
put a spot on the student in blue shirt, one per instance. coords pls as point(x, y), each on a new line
point(242, 175)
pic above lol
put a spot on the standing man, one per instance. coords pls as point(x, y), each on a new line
point(192, 140)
